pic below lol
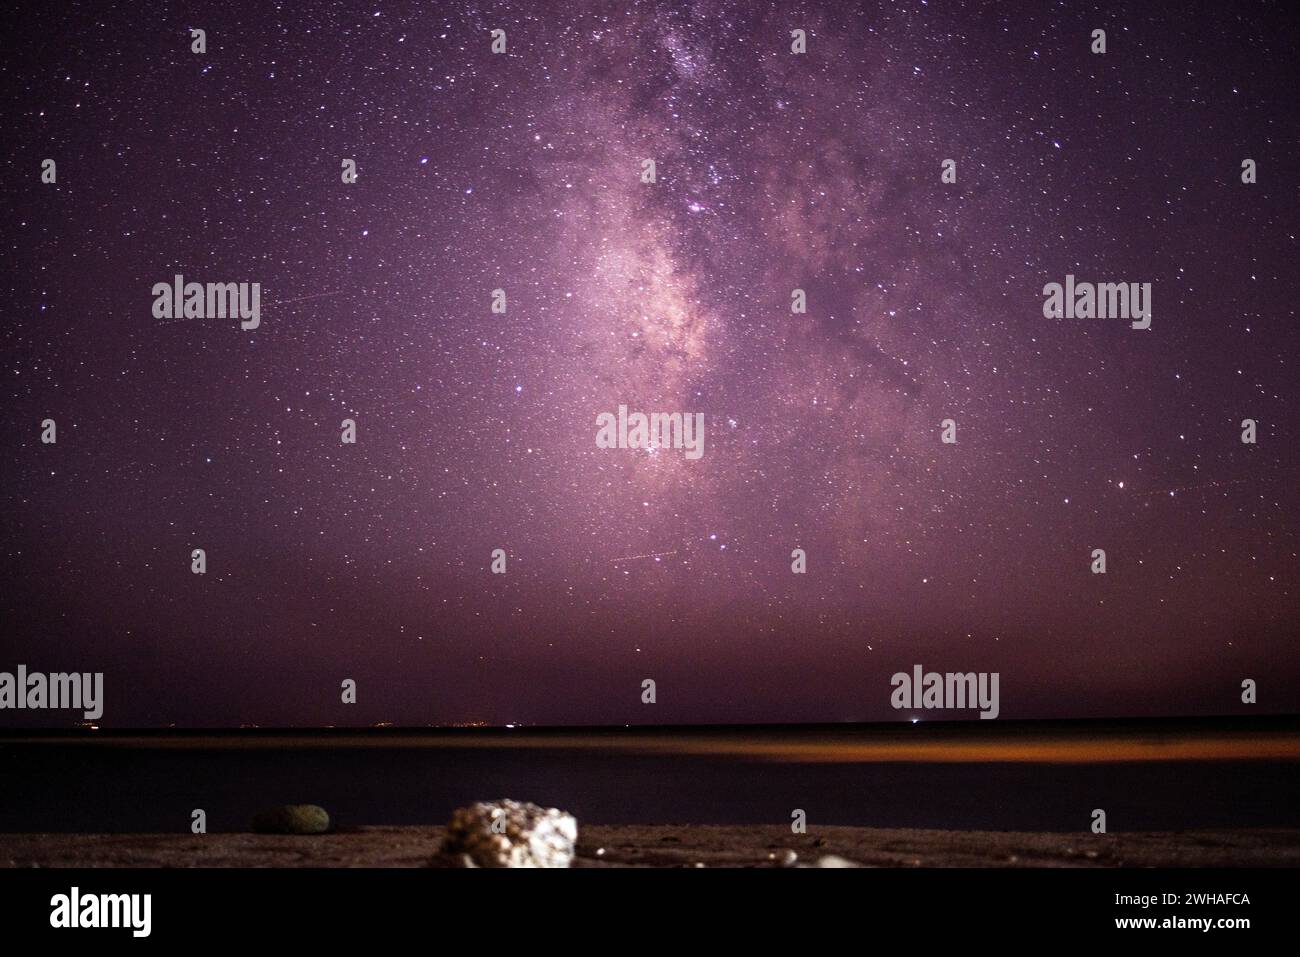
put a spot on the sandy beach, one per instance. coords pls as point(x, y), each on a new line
point(676, 846)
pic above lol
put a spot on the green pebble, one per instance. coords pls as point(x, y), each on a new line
point(292, 819)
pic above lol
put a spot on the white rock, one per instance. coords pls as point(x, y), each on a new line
point(512, 834)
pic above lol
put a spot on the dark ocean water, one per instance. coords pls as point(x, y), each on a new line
point(149, 784)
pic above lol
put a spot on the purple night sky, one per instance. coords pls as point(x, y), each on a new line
point(475, 431)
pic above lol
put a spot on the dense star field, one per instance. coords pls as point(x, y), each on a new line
point(476, 430)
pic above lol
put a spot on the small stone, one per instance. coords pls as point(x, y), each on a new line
point(789, 858)
point(512, 834)
point(834, 860)
point(292, 819)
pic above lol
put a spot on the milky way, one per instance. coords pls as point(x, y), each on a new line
point(775, 171)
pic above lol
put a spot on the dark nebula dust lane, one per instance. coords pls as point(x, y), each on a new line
point(476, 430)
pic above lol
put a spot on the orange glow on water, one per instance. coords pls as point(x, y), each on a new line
point(891, 744)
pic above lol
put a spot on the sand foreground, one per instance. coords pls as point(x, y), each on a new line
point(676, 846)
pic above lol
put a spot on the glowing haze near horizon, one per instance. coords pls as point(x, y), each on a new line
point(476, 431)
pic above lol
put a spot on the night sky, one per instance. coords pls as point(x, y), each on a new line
point(476, 430)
